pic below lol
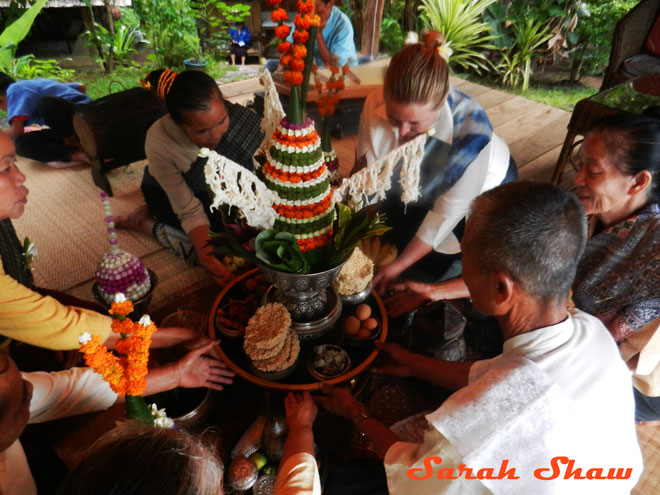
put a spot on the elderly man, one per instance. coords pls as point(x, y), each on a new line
point(553, 414)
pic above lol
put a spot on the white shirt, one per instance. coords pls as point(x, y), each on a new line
point(581, 362)
point(377, 137)
point(54, 396)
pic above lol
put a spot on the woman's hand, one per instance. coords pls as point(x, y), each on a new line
point(399, 359)
point(387, 275)
point(215, 268)
point(340, 402)
point(196, 370)
point(300, 411)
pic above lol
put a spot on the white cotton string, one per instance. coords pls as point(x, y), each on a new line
point(233, 185)
point(273, 111)
point(375, 179)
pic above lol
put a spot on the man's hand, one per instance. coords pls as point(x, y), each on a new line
point(215, 268)
point(195, 370)
point(300, 411)
point(399, 360)
point(340, 402)
point(386, 276)
point(402, 303)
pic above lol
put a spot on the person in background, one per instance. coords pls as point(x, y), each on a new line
point(44, 102)
point(178, 211)
point(544, 397)
point(334, 36)
point(462, 159)
point(240, 42)
point(618, 184)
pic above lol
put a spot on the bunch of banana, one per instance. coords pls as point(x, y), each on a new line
point(382, 254)
point(234, 264)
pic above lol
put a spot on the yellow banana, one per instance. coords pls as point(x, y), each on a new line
point(375, 249)
point(388, 255)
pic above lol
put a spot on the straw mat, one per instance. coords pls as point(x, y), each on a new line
point(64, 218)
point(649, 440)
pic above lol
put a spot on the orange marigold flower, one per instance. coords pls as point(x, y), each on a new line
point(282, 32)
point(302, 22)
point(315, 67)
point(278, 15)
point(121, 308)
point(297, 65)
point(122, 326)
point(300, 36)
point(293, 78)
point(286, 60)
point(316, 21)
point(334, 69)
point(305, 6)
point(319, 86)
point(284, 47)
point(346, 69)
point(299, 51)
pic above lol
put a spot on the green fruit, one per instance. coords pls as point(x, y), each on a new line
point(259, 459)
point(270, 469)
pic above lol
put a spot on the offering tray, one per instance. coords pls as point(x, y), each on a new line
point(231, 349)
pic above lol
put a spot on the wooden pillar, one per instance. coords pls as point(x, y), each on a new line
point(373, 15)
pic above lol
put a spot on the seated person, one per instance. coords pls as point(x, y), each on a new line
point(334, 36)
point(462, 159)
point(173, 185)
point(36, 319)
point(137, 458)
point(240, 42)
point(539, 404)
point(618, 279)
point(44, 102)
point(38, 397)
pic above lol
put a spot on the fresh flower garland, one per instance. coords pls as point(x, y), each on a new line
point(126, 372)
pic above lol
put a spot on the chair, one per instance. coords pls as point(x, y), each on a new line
point(629, 39)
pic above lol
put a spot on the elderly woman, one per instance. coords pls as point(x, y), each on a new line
point(178, 205)
point(462, 158)
point(618, 279)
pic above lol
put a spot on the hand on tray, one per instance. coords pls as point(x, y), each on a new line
point(196, 370)
point(398, 359)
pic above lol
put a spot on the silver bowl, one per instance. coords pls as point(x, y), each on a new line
point(321, 376)
point(358, 297)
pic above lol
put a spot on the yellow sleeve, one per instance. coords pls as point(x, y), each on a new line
point(42, 321)
point(298, 476)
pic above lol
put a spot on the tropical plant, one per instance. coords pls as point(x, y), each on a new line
point(116, 46)
point(460, 23)
point(214, 18)
point(593, 36)
point(13, 34)
point(167, 24)
point(391, 32)
point(529, 36)
point(28, 67)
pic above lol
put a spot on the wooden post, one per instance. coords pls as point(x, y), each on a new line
point(373, 15)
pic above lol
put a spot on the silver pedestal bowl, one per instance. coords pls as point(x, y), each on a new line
point(313, 303)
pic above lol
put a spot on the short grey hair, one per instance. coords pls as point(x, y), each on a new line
point(533, 231)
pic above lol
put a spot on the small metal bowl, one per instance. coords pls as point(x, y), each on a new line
point(139, 306)
point(322, 376)
point(265, 485)
point(358, 297)
point(226, 331)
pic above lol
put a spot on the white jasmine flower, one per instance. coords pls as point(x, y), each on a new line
point(119, 297)
point(145, 320)
point(204, 153)
point(84, 338)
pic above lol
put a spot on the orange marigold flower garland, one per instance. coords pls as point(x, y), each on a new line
point(126, 372)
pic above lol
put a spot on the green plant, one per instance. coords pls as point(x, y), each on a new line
point(28, 67)
point(529, 36)
point(214, 18)
point(391, 33)
point(115, 46)
point(13, 34)
point(167, 24)
point(590, 51)
point(461, 24)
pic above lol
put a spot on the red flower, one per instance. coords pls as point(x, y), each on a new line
point(286, 60)
point(318, 86)
point(300, 36)
point(297, 65)
point(346, 69)
point(282, 32)
point(293, 78)
point(334, 69)
point(283, 47)
point(302, 22)
point(299, 52)
point(278, 15)
point(273, 3)
point(305, 6)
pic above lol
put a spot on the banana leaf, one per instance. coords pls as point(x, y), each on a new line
point(15, 33)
